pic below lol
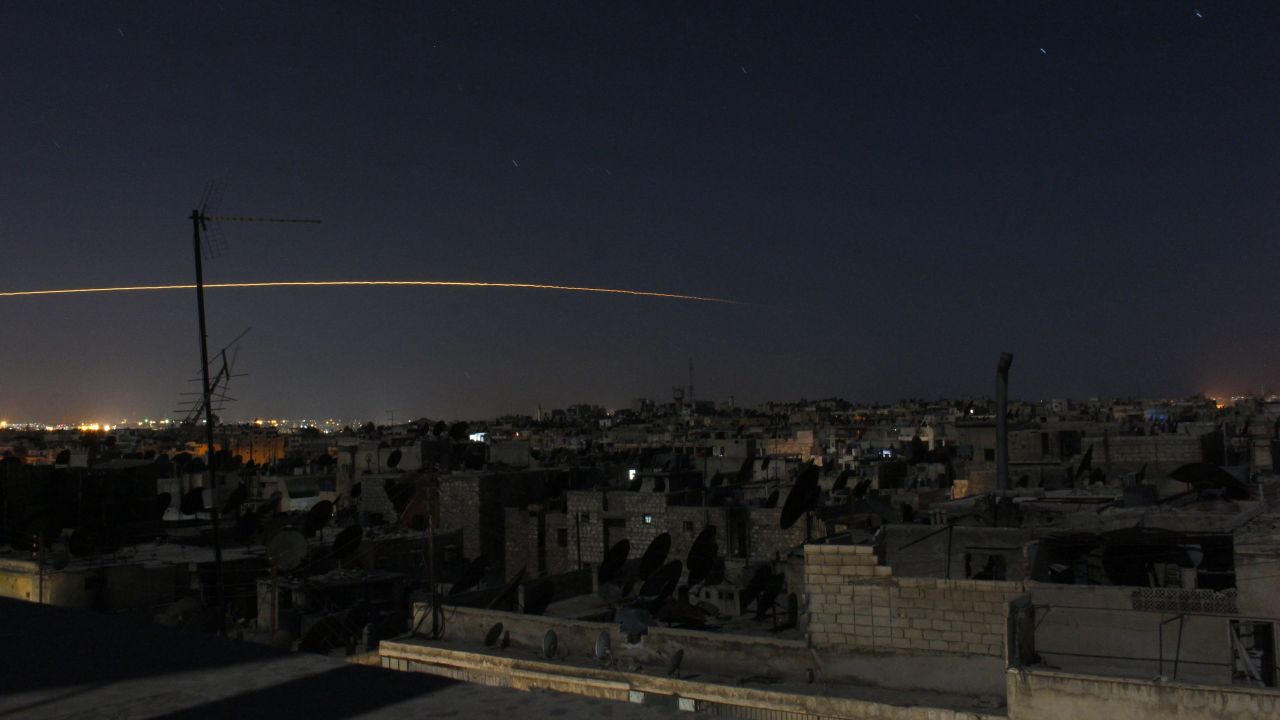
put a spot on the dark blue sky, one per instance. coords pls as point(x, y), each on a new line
point(899, 190)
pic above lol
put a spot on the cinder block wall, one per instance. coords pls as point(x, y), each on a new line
point(857, 604)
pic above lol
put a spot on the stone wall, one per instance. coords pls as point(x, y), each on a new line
point(638, 505)
point(586, 525)
point(460, 500)
point(1128, 453)
point(857, 604)
point(769, 541)
point(471, 502)
point(521, 541)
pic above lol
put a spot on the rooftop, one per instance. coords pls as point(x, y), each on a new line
point(60, 663)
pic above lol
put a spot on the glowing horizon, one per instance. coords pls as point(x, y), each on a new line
point(371, 283)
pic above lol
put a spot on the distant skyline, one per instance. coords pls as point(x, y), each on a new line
point(897, 192)
point(397, 418)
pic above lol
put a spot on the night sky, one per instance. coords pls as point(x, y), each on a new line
point(897, 191)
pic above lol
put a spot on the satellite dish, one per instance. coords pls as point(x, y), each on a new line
point(506, 639)
point(772, 500)
point(673, 665)
point(636, 485)
point(508, 589)
point(802, 497)
point(602, 646)
point(763, 587)
point(860, 489)
point(393, 460)
point(317, 517)
point(610, 593)
point(287, 550)
point(62, 458)
point(356, 489)
point(236, 499)
point(549, 644)
point(654, 556)
point(471, 576)
point(491, 637)
point(538, 596)
point(702, 554)
point(192, 501)
point(660, 585)
point(347, 541)
point(163, 501)
point(841, 482)
point(613, 560)
point(399, 494)
point(1207, 477)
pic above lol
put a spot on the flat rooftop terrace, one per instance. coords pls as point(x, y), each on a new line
point(60, 663)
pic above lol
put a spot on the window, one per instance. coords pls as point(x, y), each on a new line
point(1253, 653)
point(688, 526)
point(989, 454)
point(562, 537)
point(648, 519)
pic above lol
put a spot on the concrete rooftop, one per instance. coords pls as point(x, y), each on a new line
point(60, 663)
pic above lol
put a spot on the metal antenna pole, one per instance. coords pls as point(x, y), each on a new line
point(196, 219)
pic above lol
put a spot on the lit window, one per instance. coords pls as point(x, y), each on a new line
point(648, 519)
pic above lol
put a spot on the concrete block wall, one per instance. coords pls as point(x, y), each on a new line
point(857, 604)
point(521, 542)
point(768, 540)
point(560, 559)
point(460, 497)
point(637, 505)
point(1127, 453)
point(586, 525)
point(374, 501)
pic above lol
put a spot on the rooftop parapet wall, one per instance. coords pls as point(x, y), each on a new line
point(856, 604)
point(1051, 695)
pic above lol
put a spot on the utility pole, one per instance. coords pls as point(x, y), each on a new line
point(196, 219)
point(199, 220)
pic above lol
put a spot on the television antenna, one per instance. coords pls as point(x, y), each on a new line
point(192, 410)
point(200, 219)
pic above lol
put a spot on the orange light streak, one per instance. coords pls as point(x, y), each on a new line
point(370, 283)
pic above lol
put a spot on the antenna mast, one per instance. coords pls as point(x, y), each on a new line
point(199, 223)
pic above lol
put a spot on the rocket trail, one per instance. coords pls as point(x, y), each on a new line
point(377, 283)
